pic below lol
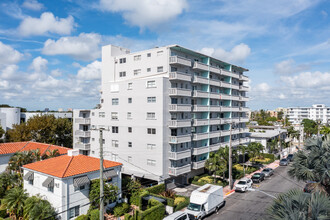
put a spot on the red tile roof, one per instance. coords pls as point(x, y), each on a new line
point(10, 148)
point(65, 166)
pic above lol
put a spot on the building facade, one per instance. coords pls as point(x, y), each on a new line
point(318, 112)
point(164, 110)
point(65, 181)
point(9, 117)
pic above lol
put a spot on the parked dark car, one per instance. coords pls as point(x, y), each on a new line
point(290, 157)
point(268, 172)
point(309, 187)
point(258, 177)
point(284, 162)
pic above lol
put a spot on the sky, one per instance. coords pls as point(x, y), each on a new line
point(50, 51)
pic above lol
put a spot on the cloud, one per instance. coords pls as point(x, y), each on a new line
point(289, 67)
point(9, 72)
point(145, 13)
point(282, 96)
point(85, 47)
point(47, 23)
point(8, 55)
point(306, 80)
point(90, 72)
point(262, 87)
point(238, 54)
point(39, 64)
point(33, 5)
point(56, 72)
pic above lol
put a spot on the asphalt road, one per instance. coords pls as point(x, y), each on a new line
point(253, 205)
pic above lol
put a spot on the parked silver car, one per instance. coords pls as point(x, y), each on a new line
point(268, 172)
point(284, 162)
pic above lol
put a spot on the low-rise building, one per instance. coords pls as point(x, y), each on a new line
point(318, 112)
point(65, 181)
point(8, 149)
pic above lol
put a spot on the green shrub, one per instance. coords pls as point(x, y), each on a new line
point(120, 209)
point(155, 212)
point(135, 198)
point(142, 194)
point(156, 189)
point(94, 214)
point(82, 217)
point(182, 204)
point(170, 201)
point(128, 217)
point(196, 178)
point(179, 200)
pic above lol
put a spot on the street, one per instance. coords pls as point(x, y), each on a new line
point(253, 205)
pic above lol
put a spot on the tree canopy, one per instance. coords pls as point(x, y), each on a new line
point(110, 193)
point(2, 132)
point(44, 129)
point(310, 127)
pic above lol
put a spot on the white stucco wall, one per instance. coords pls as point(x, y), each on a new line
point(4, 159)
point(13, 116)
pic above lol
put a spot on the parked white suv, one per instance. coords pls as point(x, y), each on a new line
point(243, 184)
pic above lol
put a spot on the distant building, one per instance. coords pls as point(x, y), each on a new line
point(25, 116)
point(65, 181)
point(9, 117)
point(8, 149)
point(272, 113)
point(318, 112)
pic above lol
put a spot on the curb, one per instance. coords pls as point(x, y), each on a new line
point(229, 193)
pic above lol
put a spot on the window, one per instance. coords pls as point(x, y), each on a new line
point(148, 69)
point(101, 114)
point(122, 74)
point(129, 115)
point(129, 159)
point(114, 129)
point(151, 84)
point(103, 141)
point(114, 157)
point(159, 53)
point(137, 72)
point(31, 182)
point(151, 130)
point(151, 99)
point(137, 57)
point(115, 143)
point(129, 144)
point(93, 139)
point(148, 54)
point(129, 100)
point(122, 60)
point(160, 69)
point(129, 129)
point(151, 162)
point(151, 115)
point(50, 189)
point(129, 86)
point(114, 115)
point(151, 146)
point(93, 113)
point(74, 212)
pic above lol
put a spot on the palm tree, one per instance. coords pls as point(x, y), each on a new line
point(212, 164)
point(242, 149)
point(19, 159)
point(37, 208)
point(254, 149)
point(51, 154)
point(325, 130)
point(272, 145)
point(14, 202)
point(296, 204)
point(223, 153)
point(9, 181)
point(313, 163)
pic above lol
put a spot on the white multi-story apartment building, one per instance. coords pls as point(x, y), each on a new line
point(318, 112)
point(165, 109)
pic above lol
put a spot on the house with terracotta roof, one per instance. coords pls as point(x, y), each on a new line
point(8, 149)
point(65, 181)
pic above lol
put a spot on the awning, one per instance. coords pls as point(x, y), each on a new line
point(81, 181)
point(28, 176)
point(49, 182)
point(109, 174)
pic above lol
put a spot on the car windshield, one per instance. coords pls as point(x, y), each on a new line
point(266, 170)
point(241, 182)
point(256, 175)
point(283, 160)
point(194, 207)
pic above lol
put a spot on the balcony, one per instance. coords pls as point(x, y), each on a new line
point(179, 76)
point(179, 139)
point(235, 131)
point(235, 108)
point(243, 130)
point(180, 61)
point(200, 122)
point(235, 97)
point(81, 133)
point(214, 108)
point(200, 150)
point(214, 134)
point(201, 108)
point(244, 140)
point(244, 119)
point(235, 120)
point(82, 121)
point(179, 123)
point(214, 69)
point(179, 92)
point(226, 73)
point(201, 66)
point(198, 165)
point(200, 136)
point(225, 108)
point(235, 142)
point(225, 84)
point(215, 95)
point(225, 133)
point(214, 82)
point(179, 108)
point(82, 146)
point(235, 75)
point(244, 99)
point(243, 109)
point(200, 94)
point(201, 80)
point(214, 147)
point(225, 96)
point(224, 144)
point(179, 155)
point(215, 121)
point(244, 78)
point(176, 171)
point(234, 86)
point(244, 88)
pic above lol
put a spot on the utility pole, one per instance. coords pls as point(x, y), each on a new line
point(101, 177)
point(230, 158)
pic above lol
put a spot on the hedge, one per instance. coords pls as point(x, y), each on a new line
point(182, 204)
point(95, 214)
point(170, 201)
point(156, 189)
point(128, 217)
point(120, 209)
point(155, 212)
point(82, 217)
point(142, 194)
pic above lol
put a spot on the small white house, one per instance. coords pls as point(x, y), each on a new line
point(264, 136)
point(65, 180)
